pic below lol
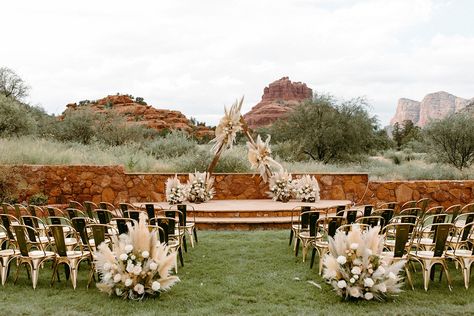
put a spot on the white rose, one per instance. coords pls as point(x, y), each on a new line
point(153, 266)
point(128, 282)
point(392, 276)
point(129, 267)
point(155, 286)
point(356, 277)
point(354, 292)
point(137, 270)
point(352, 280)
point(139, 288)
point(123, 256)
point(128, 248)
point(382, 287)
point(117, 277)
point(341, 284)
point(145, 254)
point(133, 257)
point(368, 282)
point(354, 246)
point(356, 270)
point(341, 260)
point(368, 296)
point(107, 266)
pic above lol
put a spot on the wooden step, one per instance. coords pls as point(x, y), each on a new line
point(243, 223)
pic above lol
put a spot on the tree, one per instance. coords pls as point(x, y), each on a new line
point(11, 85)
point(330, 132)
point(77, 126)
point(405, 133)
point(15, 120)
point(452, 140)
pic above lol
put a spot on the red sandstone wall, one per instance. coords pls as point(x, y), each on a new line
point(112, 184)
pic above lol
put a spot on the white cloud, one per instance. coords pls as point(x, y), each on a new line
point(197, 56)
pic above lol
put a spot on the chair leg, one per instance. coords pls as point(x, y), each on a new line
point(34, 272)
point(185, 244)
point(313, 254)
point(73, 274)
point(55, 270)
point(448, 277)
point(426, 275)
point(297, 246)
point(191, 238)
point(291, 237)
point(410, 282)
point(195, 234)
point(17, 274)
point(180, 253)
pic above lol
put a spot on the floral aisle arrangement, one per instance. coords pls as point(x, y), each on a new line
point(259, 155)
point(136, 266)
point(307, 189)
point(175, 191)
point(200, 187)
point(281, 186)
point(355, 269)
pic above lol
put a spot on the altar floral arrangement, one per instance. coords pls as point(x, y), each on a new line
point(307, 189)
point(281, 186)
point(175, 191)
point(200, 187)
point(136, 266)
point(259, 155)
point(355, 269)
point(228, 127)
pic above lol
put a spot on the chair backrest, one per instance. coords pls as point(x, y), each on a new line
point(434, 210)
point(329, 225)
point(122, 224)
point(26, 237)
point(133, 214)
point(150, 210)
point(349, 227)
point(74, 212)
point(7, 207)
point(59, 241)
point(167, 225)
point(368, 210)
point(103, 216)
point(388, 205)
point(183, 209)
point(402, 234)
point(453, 211)
point(468, 208)
point(434, 219)
point(20, 209)
point(309, 220)
point(54, 212)
point(440, 233)
point(423, 204)
point(31, 221)
point(412, 211)
point(36, 211)
point(100, 233)
point(76, 205)
point(7, 221)
point(386, 213)
point(79, 224)
point(89, 208)
point(372, 221)
point(408, 204)
point(340, 210)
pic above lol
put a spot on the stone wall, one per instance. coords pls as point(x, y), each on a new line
point(112, 184)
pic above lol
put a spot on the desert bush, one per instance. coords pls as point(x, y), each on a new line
point(174, 144)
point(451, 140)
point(77, 126)
point(288, 151)
point(15, 120)
point(38, 199)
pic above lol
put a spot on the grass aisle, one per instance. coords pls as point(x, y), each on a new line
point(234, 273)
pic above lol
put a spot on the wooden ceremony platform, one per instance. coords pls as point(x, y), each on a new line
point(247, 214)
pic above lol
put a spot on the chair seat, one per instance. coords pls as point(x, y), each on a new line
point(305, 234)
point(70, 241)
point(465, 253)
point(389, 255)
point(8, 252)
point(321, 244)
point(76, 254)
point(426, 241)
point(35, 254)
point(190, 224)
point(3, 235)
point(425, 254)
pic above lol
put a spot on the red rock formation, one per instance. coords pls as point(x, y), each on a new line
point(278, 99)
point(143, 114)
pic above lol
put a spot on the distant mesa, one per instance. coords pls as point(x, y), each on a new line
point(434, 106)
point(136, 111)
point(279, 98)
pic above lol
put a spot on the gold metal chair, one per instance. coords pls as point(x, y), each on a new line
point(308, 232)
point(326, 227)
point(462, 254)
point(7, 254)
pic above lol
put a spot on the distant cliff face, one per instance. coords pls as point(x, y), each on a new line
point(434, 106)
point(143, 114)
point(279, 98)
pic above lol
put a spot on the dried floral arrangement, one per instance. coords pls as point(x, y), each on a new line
point(307, 188)
point(281, 186)
point(355, 269)
point(136, 266)
point(200, 187)
point(259, 155)
point(175, 191)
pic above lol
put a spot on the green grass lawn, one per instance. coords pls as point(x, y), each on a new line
point(234, 273)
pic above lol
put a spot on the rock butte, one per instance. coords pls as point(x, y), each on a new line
point(147, 115)
point(279, 98)
point(434, 106)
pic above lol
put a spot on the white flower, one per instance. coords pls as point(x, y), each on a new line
point(392, 276)
point(357, 262)
point(123, 256)
point(128, 248)
point(137, 270)
point(368, 282)
point(341, 284)
point(368, 296)
point(368, 251)
point(107, 276)
point(117, 277)
point(129, 267)
point(118, 291)
point(133, 257)
point(128, 282)
point(354, 246)
point(139, 288)
point(356, 277)
point(107, 266)
point(381, 270)
point(145, 254)
point(356, 270)
point(155, 286)
point(352, 280)
point(354, 291)
point(153, 266)
point(382, 287)
point(341, 260)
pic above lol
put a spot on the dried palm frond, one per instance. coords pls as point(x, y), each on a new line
point(228, 127)
point(259, 156)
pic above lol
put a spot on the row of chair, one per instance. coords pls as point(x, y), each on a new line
point(426, 241)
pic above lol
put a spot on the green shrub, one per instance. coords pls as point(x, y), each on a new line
point(15, 120)
point(77, 126)
point(174, 144)
point(38, 199)
point(288, 151)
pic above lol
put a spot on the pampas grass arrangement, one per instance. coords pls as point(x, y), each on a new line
point(259, 156)
point(175, 191)
point(281, 186)
point(136, 266)
point(307, 188)
point(355, 269)
point(228, 127)
point(200, 187)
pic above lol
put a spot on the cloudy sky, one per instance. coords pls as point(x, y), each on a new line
point(197, 56)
